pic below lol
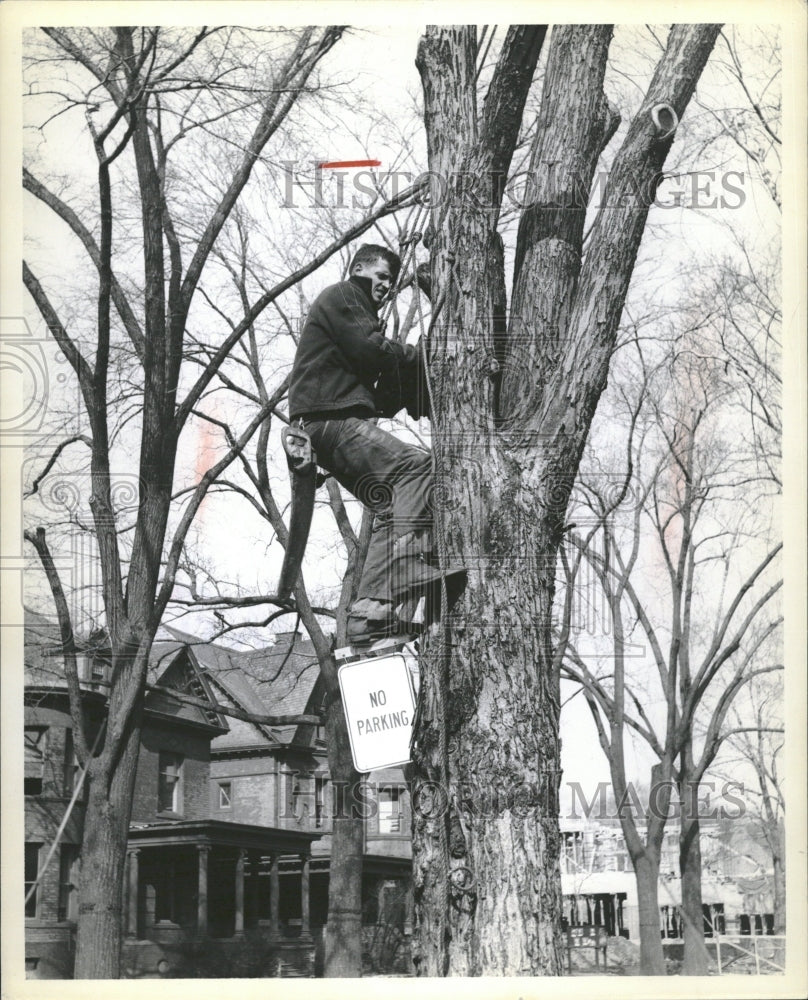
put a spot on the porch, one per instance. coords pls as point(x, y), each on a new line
point(194, 880)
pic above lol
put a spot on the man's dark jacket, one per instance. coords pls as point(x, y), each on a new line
point(342, 354)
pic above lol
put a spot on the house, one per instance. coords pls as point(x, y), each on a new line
point(278, 776)
point(231, 820)
point(599, 885)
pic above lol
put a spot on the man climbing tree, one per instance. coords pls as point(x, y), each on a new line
point(340, 382)
point(513, 402)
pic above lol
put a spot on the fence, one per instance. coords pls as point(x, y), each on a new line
point(756, 949)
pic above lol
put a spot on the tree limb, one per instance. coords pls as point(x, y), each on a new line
point(68, 642)
point(128, 318)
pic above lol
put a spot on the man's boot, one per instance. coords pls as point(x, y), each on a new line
point(370, 620)
point(415, 570)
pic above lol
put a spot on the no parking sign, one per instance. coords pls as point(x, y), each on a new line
point(379, 703)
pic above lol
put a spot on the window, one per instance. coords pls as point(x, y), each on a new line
point(31, 871)
point(36, 741)
point(225, 794)
point(298, 796)
point(99, 668)
point(320, 792)
point(169, 786)
point(68, 876)
point(572, 850)
point(390, 810)
point(71, 765)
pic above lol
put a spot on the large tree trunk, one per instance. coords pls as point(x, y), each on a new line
point(652, 958)
point(485, 837)
point(494, 815)
point(695, 962)
point(343, 942)
point(100, 924)
point(486, 877)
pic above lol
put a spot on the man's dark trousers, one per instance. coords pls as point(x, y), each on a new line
point(392, 478)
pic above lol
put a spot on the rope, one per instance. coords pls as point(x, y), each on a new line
point(461, 880)
point(443, 635)
point(408, 243)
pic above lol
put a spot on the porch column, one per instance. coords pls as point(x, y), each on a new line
point(202, 851)
point(304, 894)
point(131, 916)
point(239, 929)
point(254, 858)
point(409, 909)
point(274, 897)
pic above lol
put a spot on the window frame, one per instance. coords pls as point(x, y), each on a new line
point(178, 785)
point(396, 814)
point(67, 903)
point(41, 748)
point(220, 787)
point(322, 785)
point(572, 851)
point(33, 858)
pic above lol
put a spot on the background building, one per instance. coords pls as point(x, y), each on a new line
point(230, 832)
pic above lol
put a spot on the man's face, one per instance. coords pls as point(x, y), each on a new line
point(381, 278)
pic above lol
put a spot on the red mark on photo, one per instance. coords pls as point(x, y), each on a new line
point(348, 163)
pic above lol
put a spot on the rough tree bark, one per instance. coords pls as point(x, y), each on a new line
point(343, 952)
point(646, 867)
point(486, 879)
point(695, 961)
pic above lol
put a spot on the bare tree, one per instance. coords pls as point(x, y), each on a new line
point(147, 93)
point(757, 739)
point(513, 402)
point(709, 628)
point(752, 61)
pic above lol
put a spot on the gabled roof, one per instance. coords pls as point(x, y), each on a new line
point(281, 679)
point(182, 674)
point(228, 685)
point(170, 666)
point(284, 675)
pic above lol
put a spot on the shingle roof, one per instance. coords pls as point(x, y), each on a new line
point(276, 680)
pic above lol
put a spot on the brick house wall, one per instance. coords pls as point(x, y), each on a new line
point(254, 788)
point(49, 939)
point(194, 748)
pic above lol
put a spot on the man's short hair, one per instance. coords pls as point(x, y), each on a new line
point(369, 253)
